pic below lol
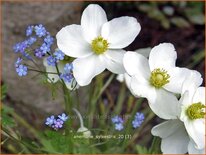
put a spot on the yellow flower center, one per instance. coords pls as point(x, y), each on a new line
point(195, 111)
point(99, 45)
point(159, 78)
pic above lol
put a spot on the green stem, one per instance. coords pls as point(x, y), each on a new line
point(95, 99)
point(68, 108)
point(19, 141)
point(120, 100)
point(25, 124)
point(137, 134)
point(67, 97)
point(77, 99)
point(40, 70)
point(31, 69)
point(155, 148)
point(80, 117)
point(129, 122)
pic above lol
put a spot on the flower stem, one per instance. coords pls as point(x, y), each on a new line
point(137, 134)
point(25, 124)
point(129, 122)
point(80, 117)
point(31, 69)
point(120, 101)
point(68, 108)
point(95, 99)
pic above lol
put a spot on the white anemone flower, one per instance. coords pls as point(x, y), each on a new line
point(157, 78)
point(193, 115)
point(53, 77)
point(126, 77)
point(97, 43)
point(175, 139)
point(186, 133)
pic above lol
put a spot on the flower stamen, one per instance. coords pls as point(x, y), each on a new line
point(195, 111)
point(99, 45)
point(159, 78)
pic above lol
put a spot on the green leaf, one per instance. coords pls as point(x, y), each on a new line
point(57, 141)
point(7, 120)
point(180, 22)
point(118, 150)
point(142, 149)
point(3, 91)
point(155, 148)
point(145, 7)
point(197, 19)
point(195, 15)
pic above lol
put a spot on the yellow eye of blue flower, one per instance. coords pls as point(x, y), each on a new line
point(195, 111)
point(159, 78)
point(99, 45)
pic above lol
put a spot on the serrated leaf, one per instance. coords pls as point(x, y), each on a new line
point(58, 141)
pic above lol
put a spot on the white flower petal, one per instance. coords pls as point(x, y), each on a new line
point(45, 62)
point(71, 41)
point(176, 143)
point(85, 69)
point(52, 77)
point(120, 77)
point(174, 137)
point(192, 82)
point(166, 105)
point(120, 32)
point(199, 95)
point(114, 61)
point(144, 51)
point(127, 79)
point(136, 64)
point(162, 56)
point(196, 130)
point(93, 18)
point(166, 128)
point(184, 101)
point(141, 88)
point(177, 78)
point(193, 150)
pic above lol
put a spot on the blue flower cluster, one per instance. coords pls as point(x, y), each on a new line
point(20, 68)
point(22, 47)
point(58, 55)
point(67, 76)
point(138, 120)
point(118, 122)
point(36, 34)
point(56, 123)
